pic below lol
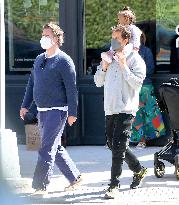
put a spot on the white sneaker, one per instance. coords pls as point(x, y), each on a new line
point(74, 185)
point(39, 193)
point(141, 145)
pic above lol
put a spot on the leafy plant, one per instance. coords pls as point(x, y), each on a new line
point(29, 16)
point(101, 15)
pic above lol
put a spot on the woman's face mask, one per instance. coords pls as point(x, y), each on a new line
point(115, 44)
point(46, 42)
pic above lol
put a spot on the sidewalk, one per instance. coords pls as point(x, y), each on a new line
point(94, 163)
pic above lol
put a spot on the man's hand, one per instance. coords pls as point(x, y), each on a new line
point(71, 120)
point(22, 113)
point(121, 58)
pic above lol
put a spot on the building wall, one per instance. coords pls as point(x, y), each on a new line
point(89, 128)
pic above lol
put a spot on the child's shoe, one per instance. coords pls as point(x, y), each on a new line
point(107, 56)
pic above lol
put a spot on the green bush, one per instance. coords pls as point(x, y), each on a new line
point(101, 15)
point(29, 20)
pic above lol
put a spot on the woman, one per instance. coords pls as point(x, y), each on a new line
point(148, 123)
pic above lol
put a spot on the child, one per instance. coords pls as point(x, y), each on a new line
point(126, 17)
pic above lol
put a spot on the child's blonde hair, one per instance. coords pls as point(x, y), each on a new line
point(128, 13)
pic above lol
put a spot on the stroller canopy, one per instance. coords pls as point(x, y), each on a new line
point(169, 93)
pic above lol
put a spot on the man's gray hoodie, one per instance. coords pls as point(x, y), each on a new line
point(122, 85)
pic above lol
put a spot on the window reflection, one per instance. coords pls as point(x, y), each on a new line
point(167, 54)
point(167, 19)
point(23, 24)
point(99, 18)
point(158, 22)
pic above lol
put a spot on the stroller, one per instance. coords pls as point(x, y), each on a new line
point(169, 93)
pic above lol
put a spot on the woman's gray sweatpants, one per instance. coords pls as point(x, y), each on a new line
point(51, 125)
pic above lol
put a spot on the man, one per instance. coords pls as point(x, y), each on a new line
point(52, 85)
point(122, 80)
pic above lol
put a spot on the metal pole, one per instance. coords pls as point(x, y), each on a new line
point(2, 80)
point(7, 194)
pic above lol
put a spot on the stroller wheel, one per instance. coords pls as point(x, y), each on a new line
point(159, 169)
point(177, 172)
point(177, 166)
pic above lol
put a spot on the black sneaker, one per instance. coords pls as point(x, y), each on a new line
point(138, 177)
point(111, 192)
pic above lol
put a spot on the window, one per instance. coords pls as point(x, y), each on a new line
point(167, 19)
point(157, 18)
point(99, 17)
point(24, 20)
